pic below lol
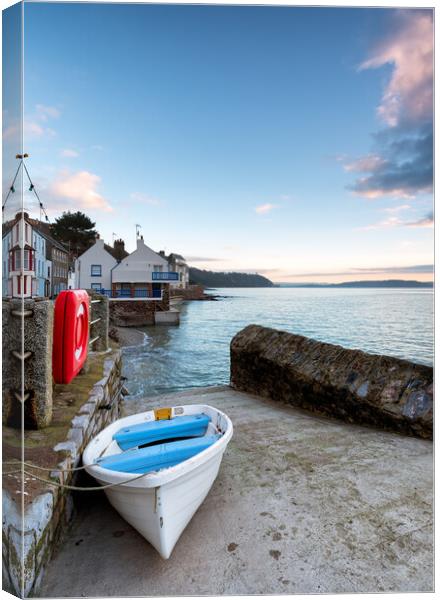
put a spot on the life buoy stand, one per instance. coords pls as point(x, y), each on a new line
point(70, 334)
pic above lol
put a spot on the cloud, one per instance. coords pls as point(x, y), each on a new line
point(202, 259)
point(402, 162)
point(80, 190)
point(409, 93)
point(69, 153)
point(406, 167)
point(140, 198)
point(263, 209)
point(34, 124)
point(425, 222)
point(31, 128)
point(44, 113)
point(397, 209)
point(420, 269)
point(364, 164)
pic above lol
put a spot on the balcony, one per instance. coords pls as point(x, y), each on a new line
point(165, 276)
point(136, 293)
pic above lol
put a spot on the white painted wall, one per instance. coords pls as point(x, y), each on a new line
point(139, 265)
point(96, 255)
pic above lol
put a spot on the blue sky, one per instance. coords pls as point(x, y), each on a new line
point(292, 142)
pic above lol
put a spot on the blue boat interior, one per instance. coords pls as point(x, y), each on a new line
point(151, 432)
point(155, 445)
point(159, 456)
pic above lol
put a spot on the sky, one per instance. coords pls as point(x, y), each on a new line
point(292, 142)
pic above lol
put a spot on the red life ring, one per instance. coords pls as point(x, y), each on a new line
point(70, 334)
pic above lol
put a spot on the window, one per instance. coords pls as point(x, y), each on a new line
point(157, 268)
point(16, 260)
point(95, 270)
point(97, 287)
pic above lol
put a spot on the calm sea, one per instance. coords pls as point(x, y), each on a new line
point(394, 321)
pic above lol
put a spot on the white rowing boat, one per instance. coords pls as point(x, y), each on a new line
point(178, 449)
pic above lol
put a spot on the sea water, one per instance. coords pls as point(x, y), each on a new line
point(397, 322)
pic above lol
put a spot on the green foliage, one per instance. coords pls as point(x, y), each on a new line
point(76, 230)
point(213, 279)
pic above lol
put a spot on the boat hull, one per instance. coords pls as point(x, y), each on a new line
point(160, 505)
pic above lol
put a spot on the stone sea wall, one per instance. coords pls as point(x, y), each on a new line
point(137, 313)
point(355, 386)
point(48, 512)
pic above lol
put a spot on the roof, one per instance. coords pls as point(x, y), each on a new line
point(50, 239)
point(41, 228)
point(174, 256)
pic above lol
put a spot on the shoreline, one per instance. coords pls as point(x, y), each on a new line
point(128, 336)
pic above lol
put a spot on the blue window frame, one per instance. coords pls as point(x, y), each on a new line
point(95, 270)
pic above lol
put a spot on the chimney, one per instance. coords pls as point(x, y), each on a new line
point(119, 249)
point(162, 253)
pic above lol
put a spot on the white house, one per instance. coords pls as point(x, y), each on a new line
point(23, 243)
point(93, 269)
point(142, 274)
point(178, 264)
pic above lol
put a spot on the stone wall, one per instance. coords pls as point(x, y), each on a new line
point(137, 313)
point(347, 384)
point(37, 315)
point(48, 513)
point(99, 316)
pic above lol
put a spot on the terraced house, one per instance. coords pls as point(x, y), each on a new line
point(25, 265)
point(142, 274)
point(57, 257)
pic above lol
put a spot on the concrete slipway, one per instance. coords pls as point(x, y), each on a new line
point(302, 504)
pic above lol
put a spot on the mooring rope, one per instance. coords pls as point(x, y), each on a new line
point(63, 485)
point(31, 465)
point(84, 489)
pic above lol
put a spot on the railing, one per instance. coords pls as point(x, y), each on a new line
point(136, 293)
point(165, 276)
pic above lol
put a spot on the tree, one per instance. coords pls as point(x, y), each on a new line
point(75, 230)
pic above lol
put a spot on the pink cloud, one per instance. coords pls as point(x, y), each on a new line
point(371, 162)
point(263, 209)
point(397, 209)
point(409, 93)
point(80, 190)
point(425, 222)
